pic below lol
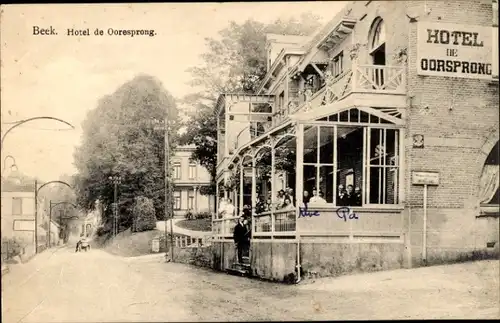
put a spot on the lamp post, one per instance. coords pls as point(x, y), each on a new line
point(163, 126)
point(16, 124)
point(52, 205)
point(116, 180)
point(37, 189)
point(5, 163)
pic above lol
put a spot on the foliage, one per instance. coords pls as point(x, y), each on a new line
point(189, 215)
point(204, 215)
point(120, 138)
point(144, 214)
point(236, 62)
point(11, 247)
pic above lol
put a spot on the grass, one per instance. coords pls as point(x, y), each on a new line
point(204, 225)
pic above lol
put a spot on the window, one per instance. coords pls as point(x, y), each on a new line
point(351, 165)
point(377, 34)
point(17, 206)
point(177, 200)
point(382, 169)
point(338, 67)
point(191, 199)
point(192, 171)
point(177, 170)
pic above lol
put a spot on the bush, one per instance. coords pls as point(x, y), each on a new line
point(143, 212)
point(11, 248)
point(204, 215)
point(189, 215)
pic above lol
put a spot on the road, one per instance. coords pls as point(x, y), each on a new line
point(64, 286)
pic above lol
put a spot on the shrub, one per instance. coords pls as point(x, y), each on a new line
point(204, 215)
point(11, 247)
point(143, 212)
point(189, 215)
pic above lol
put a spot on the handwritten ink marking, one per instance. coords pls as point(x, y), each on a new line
point(304, 213)
point(345, 213)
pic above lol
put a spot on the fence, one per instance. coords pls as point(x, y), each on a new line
point(185, 241)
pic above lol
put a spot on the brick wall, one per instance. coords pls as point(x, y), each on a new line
point(461, 115)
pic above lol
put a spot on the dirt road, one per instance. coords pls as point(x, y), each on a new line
point(97, 286)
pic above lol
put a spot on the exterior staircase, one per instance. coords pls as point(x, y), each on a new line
point(240, 269)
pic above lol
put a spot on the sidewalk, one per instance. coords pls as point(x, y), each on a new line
point(19, 273)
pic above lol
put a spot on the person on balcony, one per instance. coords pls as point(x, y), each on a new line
point(247, 211)
point(280, 199)
point(341, 196)
point(222, 207)
point(357, 196)
point(268, 206)
point(316, 198)
point(229, 209)
point(349, 196)
point(288, 205)
point(241, 238)
point(289, 194)
point(260, 205)
point(306, 198)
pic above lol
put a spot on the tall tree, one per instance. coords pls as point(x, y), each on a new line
point(120, 138)
point(235, 62)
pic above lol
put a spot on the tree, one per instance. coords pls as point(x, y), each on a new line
point(144, 214)
point(234, 63)
point(120, 139)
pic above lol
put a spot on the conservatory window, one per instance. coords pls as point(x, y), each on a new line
point(350, 165)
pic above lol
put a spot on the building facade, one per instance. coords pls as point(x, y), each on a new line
point(18, 216)
point(189, 177)
point(395, 102)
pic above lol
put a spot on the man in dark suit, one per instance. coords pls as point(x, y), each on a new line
point(241, 237)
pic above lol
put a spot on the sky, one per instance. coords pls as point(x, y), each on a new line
point(64, 76)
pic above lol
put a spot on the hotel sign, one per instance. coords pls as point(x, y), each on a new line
point(454, 50)
point(425, 178)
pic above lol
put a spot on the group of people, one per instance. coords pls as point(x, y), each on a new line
point(345, 197)
point(284, 201)
point(349, 197)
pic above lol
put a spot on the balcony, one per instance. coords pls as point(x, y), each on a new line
point(369, 85)
point(364, 79)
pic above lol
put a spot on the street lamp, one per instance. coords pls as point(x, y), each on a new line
point(52, 205)
point(37, 189)
point(16, 124)
point(116, 180)
point(162, 125)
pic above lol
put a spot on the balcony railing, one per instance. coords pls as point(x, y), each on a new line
point(284, 221)
point(377, 79)
point(224, 226)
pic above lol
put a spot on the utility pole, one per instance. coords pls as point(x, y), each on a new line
point(168, 202)
point(115, 223)
point(36, 216)
point(50, 221)
point(116, 180)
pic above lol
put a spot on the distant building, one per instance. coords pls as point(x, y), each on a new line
point(189, 177)
point(18, 214)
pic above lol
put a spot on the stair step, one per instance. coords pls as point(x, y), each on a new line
point(235, 271)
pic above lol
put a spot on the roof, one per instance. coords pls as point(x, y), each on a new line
point(287, 39)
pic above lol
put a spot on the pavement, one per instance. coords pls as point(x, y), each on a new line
point(65, 286)
point(160, 225)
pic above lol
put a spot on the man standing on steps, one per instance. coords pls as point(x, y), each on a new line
point(241, 238)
